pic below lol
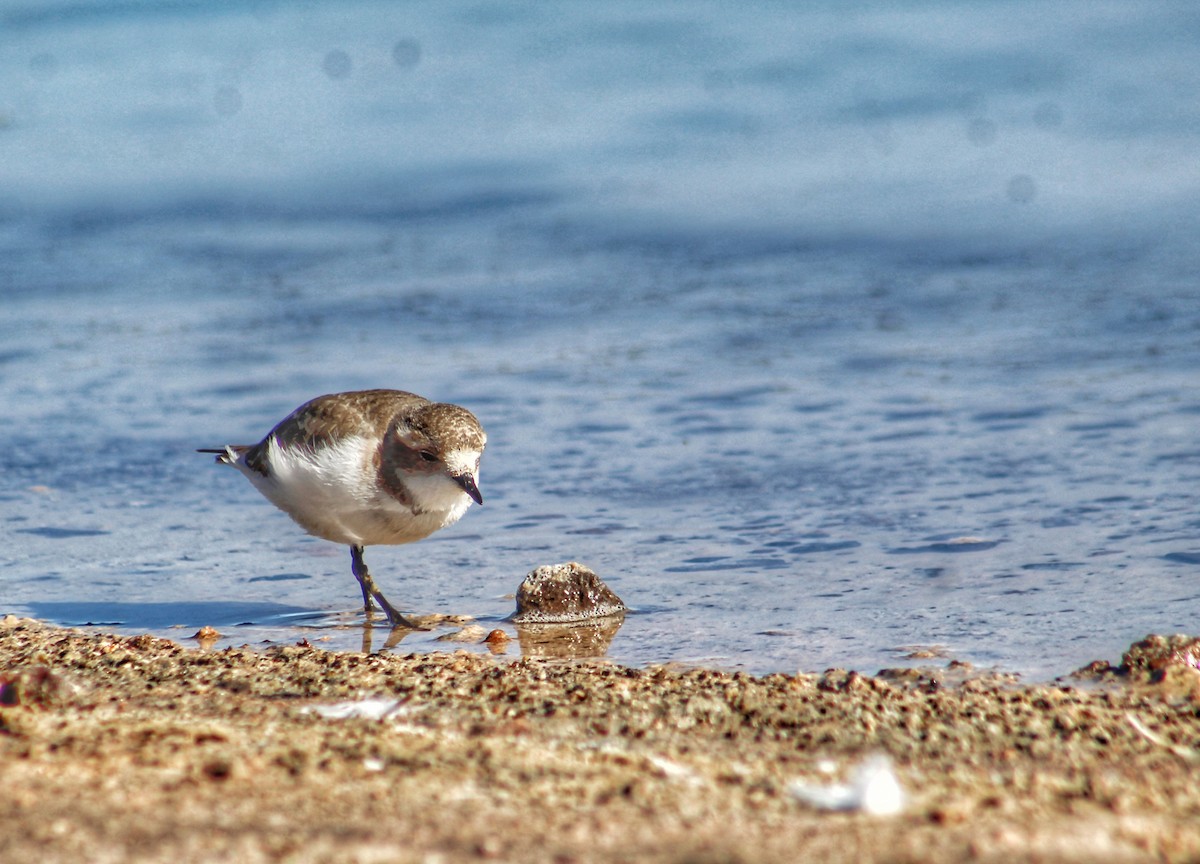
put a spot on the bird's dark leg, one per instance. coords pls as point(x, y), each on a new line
point(363, 578)
point(371, 592)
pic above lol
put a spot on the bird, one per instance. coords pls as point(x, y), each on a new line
point(365, 468)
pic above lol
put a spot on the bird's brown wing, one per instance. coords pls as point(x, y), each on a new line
point(331, 418)
point(324, 420)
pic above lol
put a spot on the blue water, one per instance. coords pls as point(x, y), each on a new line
point(820, 331)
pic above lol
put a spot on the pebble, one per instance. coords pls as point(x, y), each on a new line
point(470, 633)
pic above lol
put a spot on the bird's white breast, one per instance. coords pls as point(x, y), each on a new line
point(333, 492)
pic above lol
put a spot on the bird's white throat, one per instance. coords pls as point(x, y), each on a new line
point(436, 493)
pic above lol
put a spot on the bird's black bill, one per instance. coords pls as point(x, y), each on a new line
point(467, 482)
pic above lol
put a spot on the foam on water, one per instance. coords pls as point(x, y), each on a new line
point(817, 334)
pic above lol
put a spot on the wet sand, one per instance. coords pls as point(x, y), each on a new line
point(141, 749)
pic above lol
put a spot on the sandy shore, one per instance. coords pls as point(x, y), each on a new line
point(140, 749)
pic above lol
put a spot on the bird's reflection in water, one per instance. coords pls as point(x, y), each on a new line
point(575, 641)
point(393, 635)
point(580, 640)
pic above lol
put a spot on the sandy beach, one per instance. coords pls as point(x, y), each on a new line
point(123, 748)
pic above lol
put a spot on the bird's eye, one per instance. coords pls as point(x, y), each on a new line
point(428, 456)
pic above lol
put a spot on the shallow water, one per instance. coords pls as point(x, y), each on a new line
point(819, 335)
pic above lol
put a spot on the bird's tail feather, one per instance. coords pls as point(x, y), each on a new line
point(228, 454)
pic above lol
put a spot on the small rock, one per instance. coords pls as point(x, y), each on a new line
point(1150, 661)
point(470, 633)
point(37, 686)
point(872, 789)
point(1096, 670)
point(1155, 653)
point(1178, 683)
point(841, 681)
point(433, 620)
point(933, 652)
point(365, 709)
point(218, 768)
point(562, 593)
point(497, 641)
point(900, 675)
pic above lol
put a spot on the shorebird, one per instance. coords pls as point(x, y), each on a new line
point(364, 468)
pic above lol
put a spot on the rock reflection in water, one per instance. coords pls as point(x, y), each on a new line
point(577, 641)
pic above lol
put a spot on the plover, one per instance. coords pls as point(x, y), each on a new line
point(365, 468)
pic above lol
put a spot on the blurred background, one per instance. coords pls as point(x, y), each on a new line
point(821, 331)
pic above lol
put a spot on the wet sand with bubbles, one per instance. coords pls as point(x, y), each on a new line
point(120, 748)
